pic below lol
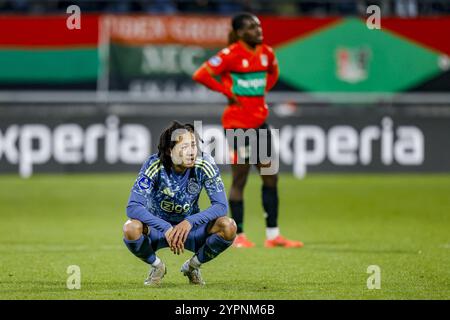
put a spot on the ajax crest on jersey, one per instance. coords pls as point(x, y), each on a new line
point(193, 187)
point(264, 60)
point(245, 63)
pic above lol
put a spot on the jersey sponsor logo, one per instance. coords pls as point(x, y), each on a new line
point(193, 187)
point(144, 183)
point(264, 60)
point(215, 61)
point(167, 205)
point(253, 84)
point(171, 207)
point(249, 84)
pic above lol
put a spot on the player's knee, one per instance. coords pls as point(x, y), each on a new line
point(132, 229)
point(227, 228)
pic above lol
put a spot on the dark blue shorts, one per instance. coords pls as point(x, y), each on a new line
point(196, 238)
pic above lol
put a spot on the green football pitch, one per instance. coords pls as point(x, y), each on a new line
point(400, 223)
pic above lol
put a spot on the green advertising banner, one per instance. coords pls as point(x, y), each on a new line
point(349, 57)
point(41, 52)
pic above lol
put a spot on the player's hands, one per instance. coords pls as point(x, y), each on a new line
point(168, 236)
point(233, 100)
point(145, 229)
point(179, 235)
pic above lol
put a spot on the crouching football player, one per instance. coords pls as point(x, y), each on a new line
point(163, 207)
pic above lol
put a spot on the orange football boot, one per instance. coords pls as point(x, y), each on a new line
point(280, 241)
point(241, 241)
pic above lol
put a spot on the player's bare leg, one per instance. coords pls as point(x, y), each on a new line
point(236, 200)
point(223, 228)
point(270, 204)
point(135, 236)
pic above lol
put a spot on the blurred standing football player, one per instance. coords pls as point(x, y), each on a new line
point(247, 69)
point(163, 206)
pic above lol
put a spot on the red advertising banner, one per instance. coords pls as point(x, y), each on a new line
point(185, 30)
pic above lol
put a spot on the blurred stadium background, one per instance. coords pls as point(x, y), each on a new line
point(131, 62)
point(349, 100)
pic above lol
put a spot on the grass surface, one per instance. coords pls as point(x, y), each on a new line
point(400, 223)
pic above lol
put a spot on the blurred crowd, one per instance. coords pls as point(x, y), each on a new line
point(402, 8)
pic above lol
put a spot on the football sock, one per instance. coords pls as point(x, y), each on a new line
point(237, 213)
point(272, 233)
point(156, 262)
point(213, 246)
point(194, 262)
point(142, 249)
point(270, 204)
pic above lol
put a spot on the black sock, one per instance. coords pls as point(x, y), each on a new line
point(270, 204)
point(237, 213)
